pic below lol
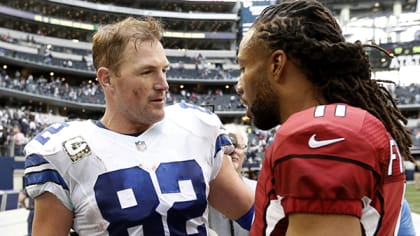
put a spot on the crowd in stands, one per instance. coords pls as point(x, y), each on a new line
point(183, 67)
point(406, 94)
point(89, 92)
point(52, 86)
point(18, 125)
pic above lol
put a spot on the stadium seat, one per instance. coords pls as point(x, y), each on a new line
point(12, 200)
point(9, 200)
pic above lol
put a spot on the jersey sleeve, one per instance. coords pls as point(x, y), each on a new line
point(41, 176)
point(47, 164)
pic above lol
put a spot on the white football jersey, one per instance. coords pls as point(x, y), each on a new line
point(155, 183)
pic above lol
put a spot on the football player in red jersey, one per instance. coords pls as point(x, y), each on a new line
point(335, 166)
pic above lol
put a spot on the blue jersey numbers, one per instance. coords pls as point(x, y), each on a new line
point(45, 135)
point(136, 200)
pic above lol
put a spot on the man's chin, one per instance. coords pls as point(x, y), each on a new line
point(264, 123)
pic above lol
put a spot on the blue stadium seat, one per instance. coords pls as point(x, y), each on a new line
point(12, 200)
point(6, 173)
point(9, 200)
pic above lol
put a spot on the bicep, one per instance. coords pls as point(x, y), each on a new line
point(51, 216)
point(323, 225)
point(228, 193)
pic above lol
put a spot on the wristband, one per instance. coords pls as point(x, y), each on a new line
point(245, 221)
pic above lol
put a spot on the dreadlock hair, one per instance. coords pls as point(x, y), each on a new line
point(311, 37)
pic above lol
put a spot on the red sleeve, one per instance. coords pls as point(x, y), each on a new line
point(321, 184)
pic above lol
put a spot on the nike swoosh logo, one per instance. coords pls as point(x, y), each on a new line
point(313, 143)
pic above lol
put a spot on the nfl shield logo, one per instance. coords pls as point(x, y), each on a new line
point(141, 145)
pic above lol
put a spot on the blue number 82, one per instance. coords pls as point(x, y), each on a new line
point(186, 205)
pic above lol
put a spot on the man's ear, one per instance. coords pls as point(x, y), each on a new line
point(104, 77)
point(278, 60)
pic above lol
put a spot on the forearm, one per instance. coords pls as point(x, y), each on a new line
point(51, 217)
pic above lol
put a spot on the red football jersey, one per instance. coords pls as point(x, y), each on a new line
point(332, 159)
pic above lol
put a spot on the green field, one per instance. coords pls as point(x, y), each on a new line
point(413, 197)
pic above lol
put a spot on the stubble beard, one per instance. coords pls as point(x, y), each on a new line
point(265, 108)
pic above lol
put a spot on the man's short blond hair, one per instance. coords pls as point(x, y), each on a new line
point(110, 41)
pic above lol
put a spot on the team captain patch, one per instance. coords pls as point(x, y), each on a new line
point(76, 148)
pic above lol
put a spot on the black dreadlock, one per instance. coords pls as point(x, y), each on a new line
point(308, 33)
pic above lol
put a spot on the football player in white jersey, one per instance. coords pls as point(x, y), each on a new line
point(143, 168)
